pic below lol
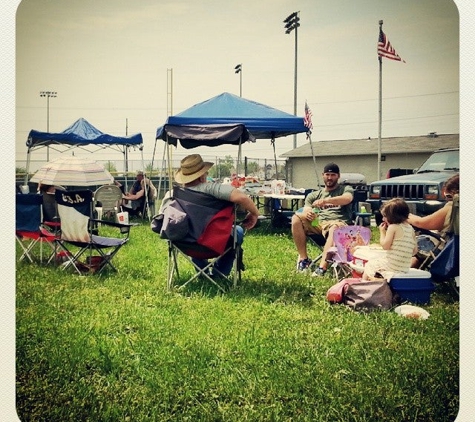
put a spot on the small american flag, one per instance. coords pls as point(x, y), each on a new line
point(385, 49)
point(307, 119)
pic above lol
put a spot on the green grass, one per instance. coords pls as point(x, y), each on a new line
point(119, 347)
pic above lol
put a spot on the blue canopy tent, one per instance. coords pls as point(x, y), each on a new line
point(262, 121)
point(259, 121)
point(81, 134)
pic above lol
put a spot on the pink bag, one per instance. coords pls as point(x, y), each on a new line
point(336, 292)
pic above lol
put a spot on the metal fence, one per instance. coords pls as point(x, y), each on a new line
point(158, 171)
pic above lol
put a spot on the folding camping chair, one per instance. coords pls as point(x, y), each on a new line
point(109, 198)
point(199, 226)
point(346, 239)
point(446, 265)
point(79, 233)
point(429, 245)
point(51, 219)
point(318, 240)
point(28, 229)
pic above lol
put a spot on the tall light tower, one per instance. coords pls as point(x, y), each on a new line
point(238, 69)
point(48, 95)
point(292, 23)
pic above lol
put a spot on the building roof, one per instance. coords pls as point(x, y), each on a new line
point(396, 145)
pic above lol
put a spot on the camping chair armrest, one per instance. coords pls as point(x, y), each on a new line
point(54, 226)
point(428, 233)
point(124, 228)
point(111, 223)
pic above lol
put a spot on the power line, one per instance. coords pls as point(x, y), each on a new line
point(279, 105)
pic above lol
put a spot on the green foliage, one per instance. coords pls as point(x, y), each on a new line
point(253, 167)
point(222, 168)
point(119, 347)
point(110, 167)
point(150, 170)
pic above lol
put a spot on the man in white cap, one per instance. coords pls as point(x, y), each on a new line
point(334, 204)
point(193, 174)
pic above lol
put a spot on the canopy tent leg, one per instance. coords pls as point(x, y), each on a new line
point(126, 168)
point(27, 166)
point(162, 171)
point(272, 141)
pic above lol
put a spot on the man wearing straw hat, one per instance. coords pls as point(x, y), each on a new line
point(193, 174)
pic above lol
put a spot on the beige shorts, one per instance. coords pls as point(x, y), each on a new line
point(323, 227)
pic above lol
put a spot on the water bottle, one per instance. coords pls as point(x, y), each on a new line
point(315, 220)
point(363, 209)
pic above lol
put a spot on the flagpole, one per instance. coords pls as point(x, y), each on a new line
point(313, 156)
point(380, 106)
point(307, 121)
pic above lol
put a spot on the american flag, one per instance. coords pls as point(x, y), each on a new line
point(307, 119)
point(385, 49)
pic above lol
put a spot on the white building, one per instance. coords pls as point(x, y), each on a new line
point(361, 156)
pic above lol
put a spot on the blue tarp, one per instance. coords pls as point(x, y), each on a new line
point(80, 132)
point(261, 121)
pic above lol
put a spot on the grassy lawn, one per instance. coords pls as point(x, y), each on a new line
point(119, 347)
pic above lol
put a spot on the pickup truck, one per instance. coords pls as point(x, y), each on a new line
point(422, 190)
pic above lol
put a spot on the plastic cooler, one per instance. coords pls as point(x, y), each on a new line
point(414, 286)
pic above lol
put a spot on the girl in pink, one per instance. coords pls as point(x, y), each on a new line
point(397, 239)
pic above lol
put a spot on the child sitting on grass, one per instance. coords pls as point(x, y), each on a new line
point(397, 238)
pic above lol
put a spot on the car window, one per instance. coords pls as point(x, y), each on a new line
point(440, 161)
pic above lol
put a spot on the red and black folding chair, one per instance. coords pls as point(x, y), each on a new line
point(29, 232)
point(198, 225)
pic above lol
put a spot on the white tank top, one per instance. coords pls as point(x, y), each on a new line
point(400, 253)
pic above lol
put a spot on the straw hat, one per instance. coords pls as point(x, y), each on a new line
point(191, 168)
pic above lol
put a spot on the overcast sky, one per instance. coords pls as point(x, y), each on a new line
point(110, 60)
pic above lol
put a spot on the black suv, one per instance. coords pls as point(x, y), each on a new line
point(422, 190)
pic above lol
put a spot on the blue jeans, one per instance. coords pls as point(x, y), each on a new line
point(225, 263)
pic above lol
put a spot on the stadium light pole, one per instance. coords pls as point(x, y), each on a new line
point(48, 95)
point(291, 24)
point(238, 69)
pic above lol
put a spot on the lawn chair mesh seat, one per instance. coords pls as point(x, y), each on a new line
point(198, 225)
point(429, 245)
point(317, 240)
point(109, 197)
point(29, 232)
point(80, 231)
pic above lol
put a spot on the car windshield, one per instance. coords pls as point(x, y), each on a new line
point(440, 161)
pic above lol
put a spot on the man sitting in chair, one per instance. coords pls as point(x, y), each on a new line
point(334, 204)
point(193, 174)
point(135, 198)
